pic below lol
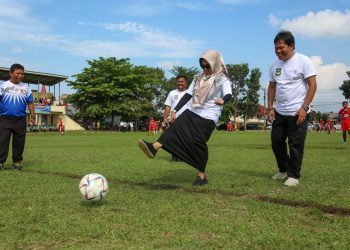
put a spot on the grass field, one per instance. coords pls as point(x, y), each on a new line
point(151, 203)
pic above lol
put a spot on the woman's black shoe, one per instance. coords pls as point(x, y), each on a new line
point(147, 148)
point(200, 182)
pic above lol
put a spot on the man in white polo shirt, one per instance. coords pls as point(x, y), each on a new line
point(171, 101)
point(293, 86)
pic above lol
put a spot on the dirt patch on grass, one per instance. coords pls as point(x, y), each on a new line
point(292, 203)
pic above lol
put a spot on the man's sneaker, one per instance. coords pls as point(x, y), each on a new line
point(17, 165)
point(291, 182)
point(280, 176)
point(1, 166)
point(147, 148)
point(200, 182)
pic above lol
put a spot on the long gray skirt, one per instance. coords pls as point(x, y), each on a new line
point(187, 139)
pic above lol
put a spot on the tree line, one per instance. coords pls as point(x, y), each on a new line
point(111, 87)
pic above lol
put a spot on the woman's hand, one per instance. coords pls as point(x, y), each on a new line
point(173, 116)
point(219, 101)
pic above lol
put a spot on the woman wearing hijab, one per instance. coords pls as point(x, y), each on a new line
point(187, 137)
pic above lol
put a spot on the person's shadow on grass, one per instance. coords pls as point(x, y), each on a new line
point(174, 177)
point(255, 173)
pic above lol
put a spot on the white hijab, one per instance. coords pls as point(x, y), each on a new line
point(205, 84)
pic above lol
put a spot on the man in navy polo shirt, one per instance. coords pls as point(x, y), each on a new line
point(14, 98)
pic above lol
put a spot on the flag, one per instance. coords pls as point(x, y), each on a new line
point(43, 89)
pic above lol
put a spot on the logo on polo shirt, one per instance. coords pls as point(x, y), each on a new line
point(278, 71)
point(176, 97)
point(7, 89)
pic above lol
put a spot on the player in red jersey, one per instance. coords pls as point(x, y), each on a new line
point(151, 126)
point(321, 124)
point(329, 126)
point(345, 119)
point(60, 126)
point(229, 126)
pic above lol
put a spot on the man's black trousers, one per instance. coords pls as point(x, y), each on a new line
point(15, 126)
point(285, 127)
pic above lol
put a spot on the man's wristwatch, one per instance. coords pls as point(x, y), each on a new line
point(306, 108)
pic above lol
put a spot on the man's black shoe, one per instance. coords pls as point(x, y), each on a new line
point(147, 148)
point(200, 182)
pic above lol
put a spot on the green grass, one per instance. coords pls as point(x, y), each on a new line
point(151, 203)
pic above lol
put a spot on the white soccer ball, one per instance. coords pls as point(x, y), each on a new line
point(93, 187)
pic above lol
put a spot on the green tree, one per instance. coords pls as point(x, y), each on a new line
point(315, 116)
point(238, 74)
point(110, 87)
point(249, 100)
point(345, 87)
point(245, 92)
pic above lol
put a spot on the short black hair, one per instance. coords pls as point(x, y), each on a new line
point(182, 76)
point(16, 66)
point(286, 36)
point(344, 102)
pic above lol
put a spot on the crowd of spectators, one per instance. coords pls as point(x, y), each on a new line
point(41, 128)
point(45, 101)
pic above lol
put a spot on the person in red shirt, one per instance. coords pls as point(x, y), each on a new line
point(345, 120)
point(229, 126)
point(152, 126)
point(322, 124)
point(60, 126)
point(329, 126)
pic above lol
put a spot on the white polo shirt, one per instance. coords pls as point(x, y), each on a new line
point(173, 98)
point(209, 109)
point(291, 86)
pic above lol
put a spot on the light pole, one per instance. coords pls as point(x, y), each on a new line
point(236, 93)
point(265, 115)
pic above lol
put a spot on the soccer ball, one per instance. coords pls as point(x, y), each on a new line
point(93, 187)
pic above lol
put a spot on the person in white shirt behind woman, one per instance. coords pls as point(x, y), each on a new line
point(172, 100)
point(187, 137)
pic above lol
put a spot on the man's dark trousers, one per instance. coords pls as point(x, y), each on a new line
point(285, 127)
point(17, 127)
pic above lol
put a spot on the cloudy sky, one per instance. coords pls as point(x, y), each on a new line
point(59, 36)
